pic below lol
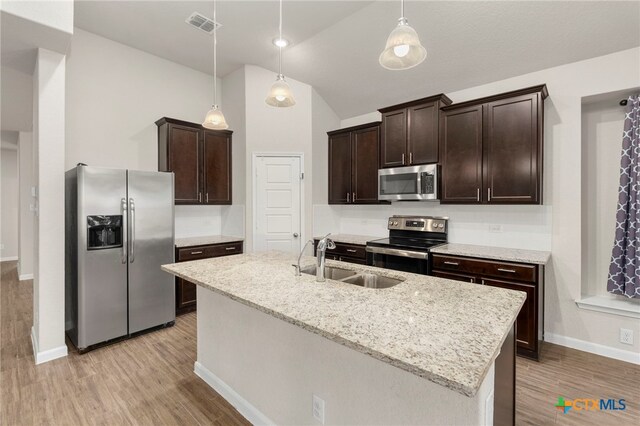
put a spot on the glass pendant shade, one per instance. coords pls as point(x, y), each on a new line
point(280, 94)
point(214, 119)
point(403, 49)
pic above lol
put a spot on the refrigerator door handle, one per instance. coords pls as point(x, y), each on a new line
point(123, 207)
point(132, 230)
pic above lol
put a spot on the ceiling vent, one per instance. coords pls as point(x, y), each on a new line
point(202, 23)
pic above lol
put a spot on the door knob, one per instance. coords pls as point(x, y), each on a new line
point(295, 235)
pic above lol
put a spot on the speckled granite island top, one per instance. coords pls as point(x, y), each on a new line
point(350, 238)
point(445, 331)
point(496, 253)
point(206, 240)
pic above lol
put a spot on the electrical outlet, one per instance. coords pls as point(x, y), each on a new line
point(318, 409)
point(626, 336)
point(495, 228)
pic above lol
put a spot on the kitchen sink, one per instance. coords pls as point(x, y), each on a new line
point(330, 272)
point(371, 281)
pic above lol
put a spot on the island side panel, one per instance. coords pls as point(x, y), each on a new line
point(275, 368)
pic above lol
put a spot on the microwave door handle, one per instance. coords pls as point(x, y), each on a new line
point(419, 183)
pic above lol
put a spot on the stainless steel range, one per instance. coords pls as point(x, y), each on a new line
point(410, 240)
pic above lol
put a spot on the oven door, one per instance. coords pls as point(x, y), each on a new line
point(398, 259)
point(408, 183)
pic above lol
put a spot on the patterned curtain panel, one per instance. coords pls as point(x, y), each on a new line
point(624, 271)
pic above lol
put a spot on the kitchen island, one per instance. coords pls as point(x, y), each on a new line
point(421, 352)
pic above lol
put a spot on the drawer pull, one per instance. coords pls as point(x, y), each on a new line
point(451, 263)
point(352, 250)
point(473, 281)
point(511, 271)
point(482, 282)
point(230, 248)
point(196, 252)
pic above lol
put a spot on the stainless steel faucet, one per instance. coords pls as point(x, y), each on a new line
point(297, 266)
point(324, 244)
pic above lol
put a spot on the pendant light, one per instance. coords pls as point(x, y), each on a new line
point(280, 94)
point(403, 49)
point(215, 119)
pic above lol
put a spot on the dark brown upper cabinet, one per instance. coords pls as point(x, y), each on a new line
point(199, 158)
point(353, 164)
point(492, 149)
point(410, 132)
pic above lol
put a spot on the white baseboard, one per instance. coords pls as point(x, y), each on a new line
point(48, 355)
point(8, 259)
point(594, 348)
point(243, 406)
point(25, 277)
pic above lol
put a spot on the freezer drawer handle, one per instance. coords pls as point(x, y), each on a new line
point(511, 271)
point(123, 207)
point(451, 263)
point(132, 227)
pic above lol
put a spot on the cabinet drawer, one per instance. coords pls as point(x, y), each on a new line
point(193, 253)
point(515, 271)
point(225, 249)
point(454, 276)
point(349, 250)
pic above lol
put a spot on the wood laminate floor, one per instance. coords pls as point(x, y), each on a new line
point(149, 380)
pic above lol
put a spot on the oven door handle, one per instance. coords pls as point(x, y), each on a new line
point(396, 252)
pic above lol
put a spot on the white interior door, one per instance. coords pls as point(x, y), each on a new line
point(278, 207)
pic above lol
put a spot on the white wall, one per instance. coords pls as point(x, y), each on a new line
point(558, 221)
point(114, 96)
point(17, 99)
point(9, 203)
point(324, 120)
point(49, 234)
point(26, 201)
point(269, 129)
point(602, 126)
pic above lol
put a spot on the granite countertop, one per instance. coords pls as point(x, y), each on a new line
point(445, 331)
point(496, 253)
point(350, 238)
point(206, 240)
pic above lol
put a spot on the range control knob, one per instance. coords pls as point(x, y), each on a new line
point(395, 223)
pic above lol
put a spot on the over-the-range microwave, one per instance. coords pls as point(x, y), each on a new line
point(409, 183)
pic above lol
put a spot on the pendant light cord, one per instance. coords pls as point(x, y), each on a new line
point(215, 59)
point(280, 47)
point(402, 8)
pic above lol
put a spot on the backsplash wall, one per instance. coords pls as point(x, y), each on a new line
point(525, 227)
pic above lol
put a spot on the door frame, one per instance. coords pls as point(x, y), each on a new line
point(254, 173)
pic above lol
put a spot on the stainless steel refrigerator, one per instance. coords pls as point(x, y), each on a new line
point(119, 230)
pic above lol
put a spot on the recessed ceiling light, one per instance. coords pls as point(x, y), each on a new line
point(280, 42)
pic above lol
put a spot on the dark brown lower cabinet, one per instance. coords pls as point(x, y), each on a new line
point(352, 253)
point(185, 290)
point(523, 277)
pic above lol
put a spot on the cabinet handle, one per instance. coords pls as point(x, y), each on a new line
point(473, 280)
point(451, 263)
point(489, 192)
point(200, 197)
point(353, 197)
point(410, 158)
point(482, 282)
point(511, 271)
point(230, 248)
point(478, 195)
point(196, 252)
point(352, 251)
point(207, 197)
point(348, 197)
point(403, 159)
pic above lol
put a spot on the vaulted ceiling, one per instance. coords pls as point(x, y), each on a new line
point(335, 44)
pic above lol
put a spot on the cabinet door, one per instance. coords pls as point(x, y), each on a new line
point(340, 168)
point(184, 162)
point(216, 155)
point(526, 329)
point(393, 145)
point(461, 155)
point(185, 295)
point(512, 149)
point(364, 184)
point(422, 138)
